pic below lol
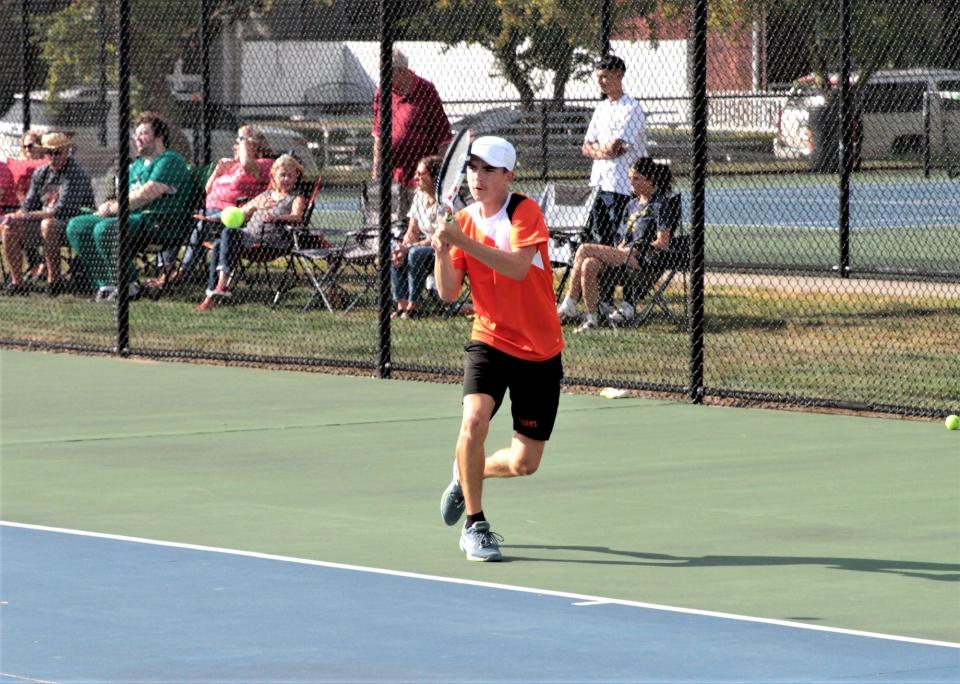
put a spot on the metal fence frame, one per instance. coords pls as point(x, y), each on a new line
point(702, 107)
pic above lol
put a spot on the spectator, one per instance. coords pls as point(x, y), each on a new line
point(265, 216)
point(412, 260)
point(233, 179)
point(648, 223)
point(159, 181)
point(58, 190)
point(615, 138)
point(419, 128)
point(22, 169)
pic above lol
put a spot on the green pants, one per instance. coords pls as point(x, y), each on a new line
point(94, 239)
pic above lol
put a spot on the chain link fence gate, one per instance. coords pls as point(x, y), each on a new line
point(814, 145)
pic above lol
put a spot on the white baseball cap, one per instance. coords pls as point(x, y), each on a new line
point(495, 151)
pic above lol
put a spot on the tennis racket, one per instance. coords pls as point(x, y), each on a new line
point(452, 171)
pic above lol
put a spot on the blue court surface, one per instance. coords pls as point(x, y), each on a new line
point(872, 205)
point(78, 607)
point(758, 202)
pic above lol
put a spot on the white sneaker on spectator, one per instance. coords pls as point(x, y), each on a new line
point(589, 323)
point(106, 293)
point(567, 309)
point(623, 313)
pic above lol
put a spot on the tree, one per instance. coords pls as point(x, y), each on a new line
point(528, 38)
point(69, 43)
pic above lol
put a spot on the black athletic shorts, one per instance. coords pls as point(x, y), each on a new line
point(534, 386)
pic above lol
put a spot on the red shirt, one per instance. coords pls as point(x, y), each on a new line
point(228, 187)
point(419, 127)
point(22, 170)
point(517, 317)
point(8, 189)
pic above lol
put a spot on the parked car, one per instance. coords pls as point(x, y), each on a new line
point(888, 115)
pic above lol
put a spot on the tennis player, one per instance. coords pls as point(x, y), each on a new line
point(500, 242)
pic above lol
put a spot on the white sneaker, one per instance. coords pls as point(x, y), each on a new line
point(567, 309)
point(586, 326)
point(623, 313)
point(431, 283)
point(107, 293)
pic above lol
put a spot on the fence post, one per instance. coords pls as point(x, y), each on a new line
point(846, 140)
point(123, 178)
point(695, 390)
point(25, 75)
point(385, 178)
point(205, 118)
point(544, 141)
point(606, 22)
point(102, 73)
point(926, 133)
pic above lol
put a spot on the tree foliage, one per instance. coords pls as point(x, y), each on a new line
point(69, 42)
point(529, 39)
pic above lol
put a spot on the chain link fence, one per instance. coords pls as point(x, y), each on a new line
point(814, 146)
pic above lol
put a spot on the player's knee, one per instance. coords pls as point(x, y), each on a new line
point(474, 428)
point(525, 465)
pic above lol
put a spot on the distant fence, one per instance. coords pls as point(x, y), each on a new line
point(811, 279)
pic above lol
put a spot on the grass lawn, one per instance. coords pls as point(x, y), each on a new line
point(883, 348)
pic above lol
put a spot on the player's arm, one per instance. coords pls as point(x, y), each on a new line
point(611, 150)
point(448, 278)
point(513, 264)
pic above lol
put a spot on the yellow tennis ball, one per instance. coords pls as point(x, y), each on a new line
point(952, 422)
point(231, 217)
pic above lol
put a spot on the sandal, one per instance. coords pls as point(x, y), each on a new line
point(207, 304)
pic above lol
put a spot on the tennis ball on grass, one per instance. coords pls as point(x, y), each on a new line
point(952, 422)
point(231, 217)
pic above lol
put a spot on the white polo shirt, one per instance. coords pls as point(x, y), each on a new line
point(624, 120)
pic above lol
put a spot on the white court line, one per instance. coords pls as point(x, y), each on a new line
point(26, 679)
point(584, 599)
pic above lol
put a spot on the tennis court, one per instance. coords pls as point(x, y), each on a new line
point(177, 522)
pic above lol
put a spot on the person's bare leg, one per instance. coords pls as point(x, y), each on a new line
point(590, 284)
point(13, 251)
point(471, 457)
point(521, 458)
point(51, 236)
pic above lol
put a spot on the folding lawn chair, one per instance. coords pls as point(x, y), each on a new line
point(659, 269)
point(566, 209)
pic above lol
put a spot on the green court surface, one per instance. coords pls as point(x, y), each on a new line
point(850, 522)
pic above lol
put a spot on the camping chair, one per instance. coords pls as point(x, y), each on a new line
point(661, 268)
point(348, 273)
point(169, 232)
point(258, 257)
point(566, 210)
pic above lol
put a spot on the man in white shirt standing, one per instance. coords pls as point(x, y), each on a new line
point(615, 139)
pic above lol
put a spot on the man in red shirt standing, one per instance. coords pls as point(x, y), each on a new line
point(500, 242)
point(419, 128)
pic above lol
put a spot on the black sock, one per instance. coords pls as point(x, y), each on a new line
point(475, 517)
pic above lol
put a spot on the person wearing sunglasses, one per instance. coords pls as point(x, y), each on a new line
point(242, 176)
point(58, 190)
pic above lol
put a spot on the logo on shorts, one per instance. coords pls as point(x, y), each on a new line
point(527, 422)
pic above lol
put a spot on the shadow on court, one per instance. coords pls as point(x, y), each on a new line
point(942, 572)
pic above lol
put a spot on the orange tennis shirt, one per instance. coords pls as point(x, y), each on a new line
point(517, 317)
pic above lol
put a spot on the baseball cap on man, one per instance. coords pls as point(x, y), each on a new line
point(495, 151)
